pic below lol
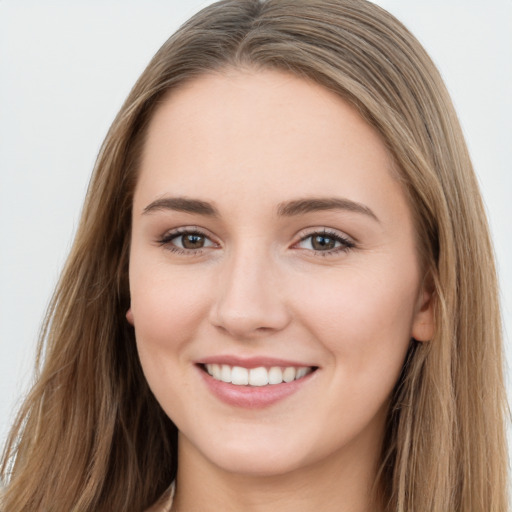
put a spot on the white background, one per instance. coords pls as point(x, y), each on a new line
point(66, 67)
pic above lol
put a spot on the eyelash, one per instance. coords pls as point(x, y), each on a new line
point(166, 240)
point(345, 243)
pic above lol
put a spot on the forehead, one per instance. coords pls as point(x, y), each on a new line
point(238, 135)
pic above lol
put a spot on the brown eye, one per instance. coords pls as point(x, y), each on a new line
point(322, 242)
point(192, 241)
point(326, 243)
point(186, 241)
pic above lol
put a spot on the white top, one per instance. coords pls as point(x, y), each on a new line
point(164, 504)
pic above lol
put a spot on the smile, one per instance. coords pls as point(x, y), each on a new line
point(260, 376)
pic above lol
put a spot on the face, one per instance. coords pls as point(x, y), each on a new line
point(274, 278)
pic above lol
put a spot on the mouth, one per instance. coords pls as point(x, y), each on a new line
point(260, 376)
point(254, 382)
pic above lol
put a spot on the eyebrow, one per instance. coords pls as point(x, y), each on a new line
point(182, 204)
point(285, 209)
point(315, 204)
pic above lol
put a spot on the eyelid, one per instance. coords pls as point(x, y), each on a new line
point(304, 233)
point(171, 234)
point(346, 241)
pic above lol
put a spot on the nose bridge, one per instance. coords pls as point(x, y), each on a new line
point(249, 300)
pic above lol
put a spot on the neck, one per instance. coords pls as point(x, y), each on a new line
point(342, 482)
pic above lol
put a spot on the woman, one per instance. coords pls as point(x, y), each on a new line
point(271, 282)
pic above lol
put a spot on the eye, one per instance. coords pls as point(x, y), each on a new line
point(325, 242)
point(186, 241)
point(191, 241)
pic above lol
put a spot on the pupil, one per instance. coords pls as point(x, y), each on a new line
point(323, 243)
point(193, 241)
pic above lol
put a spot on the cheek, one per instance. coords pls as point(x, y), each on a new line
point(167, 310)
point(363, 320)
point(362, 314)
point(162, 300)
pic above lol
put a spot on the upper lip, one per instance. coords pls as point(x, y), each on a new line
point(253, 362)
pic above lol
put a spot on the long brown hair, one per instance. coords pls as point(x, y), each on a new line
point(91, 436)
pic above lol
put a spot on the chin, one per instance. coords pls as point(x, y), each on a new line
point(253, 457)
point(259, 464)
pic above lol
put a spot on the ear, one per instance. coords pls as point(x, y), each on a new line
point(129, 316)
point(423, 323)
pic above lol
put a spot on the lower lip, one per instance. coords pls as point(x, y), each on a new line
point(253, 397)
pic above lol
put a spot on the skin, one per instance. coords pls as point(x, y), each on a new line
point(246, 141)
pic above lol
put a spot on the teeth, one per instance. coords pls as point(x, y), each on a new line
point(216, 371)
point(260, 376)
point(225, 375)
point(289, 374)
point(239, 376)
point(301, 372)
point(275, 375)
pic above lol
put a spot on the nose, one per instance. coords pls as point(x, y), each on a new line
point(249, 301)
